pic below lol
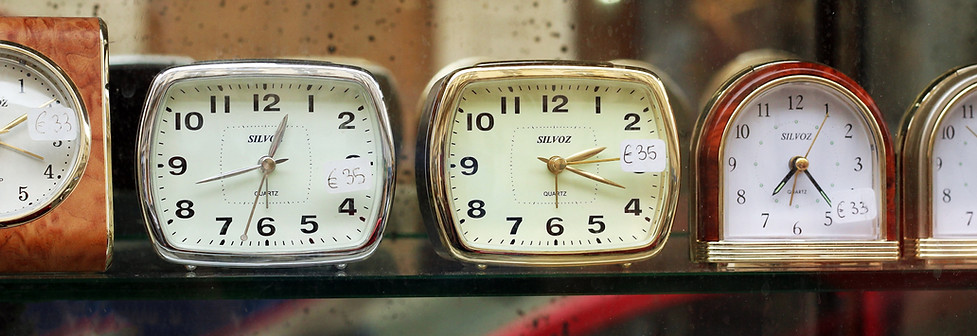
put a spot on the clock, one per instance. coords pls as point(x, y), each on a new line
point(793, 165)
point(265, 163)
point(548, 163)
point(938, 200)
point(55, 188)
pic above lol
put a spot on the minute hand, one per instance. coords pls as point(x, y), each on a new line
point(593, 176)
point(237, 172)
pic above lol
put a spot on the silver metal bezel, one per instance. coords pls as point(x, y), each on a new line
point(261, 68)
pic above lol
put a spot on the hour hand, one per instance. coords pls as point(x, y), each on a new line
point(784, 181)
point(593, 176)
point(237, 172)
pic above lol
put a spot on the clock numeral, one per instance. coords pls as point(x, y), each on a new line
point(968, 111)
point(794, 102)
point(308, 220)
point(596, 220)
point(349, 119)
point(515, 224)
point(949, 132)
point(633, 207)
point(560, 99)
point(483, 121)
point(970, 217)
point(21, 85)
point(763, 110)
point(797, 229)
point(476, 208)
point(766, 217)
point(311, 103)
point(858, 163)
point(266, 227)
point(827, 215)
point(49, 172)
point(946, 195)
point(184, 209)
point(634, 118)
point(939, 163)
point(469, 162)
point(516, 103)
point(597, 105)
point(553, 226)
point(57, 144)
point(848, 131)
point(213, 104)
point(22, 194)
point(742, 131)
point(227, 224)
point(178, 164)
point(741, 196)
point(347, 207)
point(270, 107)
point(193, 121)
point(732, 163)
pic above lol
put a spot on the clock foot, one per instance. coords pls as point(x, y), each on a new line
point(191, 268)
point(482, 266)
point(341, 267)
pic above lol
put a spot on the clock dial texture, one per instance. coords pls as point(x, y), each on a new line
point(43, 137)
point(800, 162)
point(555, 164)
point(268, 165)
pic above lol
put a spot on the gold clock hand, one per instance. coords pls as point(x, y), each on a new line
point(791, 201)
point(555, 165)
point(583, 155)
point(276, 140)
point(592, 161)
point(971, 131)
point(21, 150)
point(16, 122)
point(593, 176)
point(237, 172)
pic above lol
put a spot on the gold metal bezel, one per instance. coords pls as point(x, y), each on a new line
point(920, 130)
point(795, 250)
point(447, 92)
point(47, 67)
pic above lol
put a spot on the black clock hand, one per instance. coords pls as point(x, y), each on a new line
point(817, 186)
point(793, 169)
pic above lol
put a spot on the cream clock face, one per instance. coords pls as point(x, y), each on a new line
point(558, 165)
point(801, 161)
point(250, 164)
point(44, 136)
point(953, 188)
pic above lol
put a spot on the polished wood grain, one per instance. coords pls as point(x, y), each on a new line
point(77, 235)
point(708, 214)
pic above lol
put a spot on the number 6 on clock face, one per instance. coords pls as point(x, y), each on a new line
point(548, 163)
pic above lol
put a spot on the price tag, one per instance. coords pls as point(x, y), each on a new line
point(855, 205)
point(52, 123)
point(352, 174)
point(643, 155)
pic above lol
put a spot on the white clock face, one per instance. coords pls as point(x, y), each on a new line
point(43, 136)
point(801, 162)
point(321, 188)
point(519, 152)
point(954, 189)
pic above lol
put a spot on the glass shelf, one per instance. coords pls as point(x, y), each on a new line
point(405, 265)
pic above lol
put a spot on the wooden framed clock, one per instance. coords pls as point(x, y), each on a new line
point(55, 182)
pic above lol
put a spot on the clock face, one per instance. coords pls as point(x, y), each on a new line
point(251, 164)
point(555, 163)
point(44, 136)
point(953, 189)
point(801, 161)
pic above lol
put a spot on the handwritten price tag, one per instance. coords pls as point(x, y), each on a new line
point(643, 155)
point(52, 123)
point(352, 174)
point(855, 205)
